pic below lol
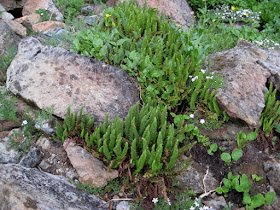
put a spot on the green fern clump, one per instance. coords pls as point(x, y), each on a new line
point(74, 125)
point(271, 113)
point(144, 139)
point(161, 55)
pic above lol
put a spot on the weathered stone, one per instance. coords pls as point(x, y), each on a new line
point(272, 169)
point(272, 64)
point(7, 34)
point(7, 125)
point(177, 10)
point(43, 142)
point(90, 20)
point(8, 155)
point(226, 132)
point(198, 179)
point(32, 159)
point(29, 20)
point(31, 6)
point(52, 76)
point(17, 27)
point(243, 96)
point(216, 202)
point(47, 26)
point(2, 9)
point(86, 10)
point(12, 4)
point(88, 168)
point(7, 16)
point(28, 188)
point(44, 165)
point(123, 206)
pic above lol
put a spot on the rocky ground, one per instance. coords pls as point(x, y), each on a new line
point(37, 75)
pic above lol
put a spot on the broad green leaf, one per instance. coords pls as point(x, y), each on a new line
point(226, 157)
point(269, 197)
point(236, 154)
point(252, 136)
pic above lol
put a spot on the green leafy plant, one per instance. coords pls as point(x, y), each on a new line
point(74, 125)
point(8, 106)
point(271, 113)
point(162, 57)
point(242, 138)
point(6, 59)
point(242, 184)
point(31, 127)
point(235, 155)
point(256, 177)
point(70, 8)
point(44, 15)
point(113, 185)
point(143, 137)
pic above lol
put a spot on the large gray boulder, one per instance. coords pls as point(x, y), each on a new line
point(52, 76)
point(245, 80)
point(28, 188)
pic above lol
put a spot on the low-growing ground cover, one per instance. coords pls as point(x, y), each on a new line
point(171, 66)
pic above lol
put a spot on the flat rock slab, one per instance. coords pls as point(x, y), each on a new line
point(89, 169)
point(52, 76)
point(245, 80)
point(28, 188)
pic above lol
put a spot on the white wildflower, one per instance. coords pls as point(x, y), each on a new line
point(195, 78)
point(191, 115)
point(168, 202)
point(192, 208)
point(203, 71)
point(202, 121)
point(24, 122)
point(155, 200)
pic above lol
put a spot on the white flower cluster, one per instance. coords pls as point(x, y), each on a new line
point(226, 12)
point(267, 43)
point(197, 206)
point(24, 122)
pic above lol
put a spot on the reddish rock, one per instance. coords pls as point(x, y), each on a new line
point(47, 25)
point(177, 10)
point(17, 27)
point(88, 168)
point(12, 4)
point(29, 20)
point(31, 6)
point(243, 96)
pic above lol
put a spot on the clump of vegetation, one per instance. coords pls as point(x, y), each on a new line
point(6, 59)
point(165, 59)
point(242, 185)
point(30, 126)
point(70, 8)
point(259, 19)
point(44, 15)
point(145, 145)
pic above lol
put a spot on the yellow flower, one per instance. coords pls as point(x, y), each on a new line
point(213, 20)
point(232, 8)
point(178, 25)
point(194, 16)
point(246, 14)
point(114, 24)
point(107, 16)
